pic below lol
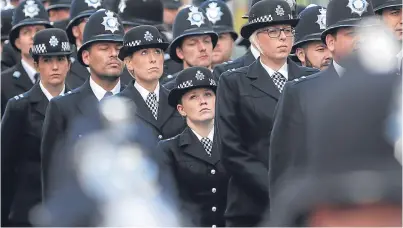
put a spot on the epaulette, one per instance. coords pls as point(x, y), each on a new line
point(18, 97)
point(304, 78)
point(66, 93)
point(17, 74)
point(227, 62)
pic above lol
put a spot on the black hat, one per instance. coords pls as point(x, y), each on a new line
point(251, 3)
point(61, 24)
point(140, 37)
point(135, 12)
point(57, 4)
point(172, 4)
point(28, 12)
point(51, 42)
point(266, 13)
point(198, 3)
point(312, 22)
point(190, 21)
point(78, 10)
point(291, 3)
point(382, 4)
point(346, 13)
point(220, 17)
point(6, 17)
point(191, 78)
point(102, 26)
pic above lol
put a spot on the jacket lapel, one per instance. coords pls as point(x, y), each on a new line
point(261, 80)
point(294, 71)
point(38, 99)
point(79, 70)
point(164, 109)
point(88, 102)
point(192, 146)
point(23, 81)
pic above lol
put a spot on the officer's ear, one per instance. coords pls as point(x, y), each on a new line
point(36, 63)
point(86, 56)
point(300, 53)
point(330, 41)
point(179, 53)
point(180, 108)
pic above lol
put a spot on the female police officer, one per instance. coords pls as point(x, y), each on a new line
point(192, 157)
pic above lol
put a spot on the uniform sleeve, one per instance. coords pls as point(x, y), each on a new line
point(12, 127)
point(287, 137)
point(52, 133)
point(240, 163)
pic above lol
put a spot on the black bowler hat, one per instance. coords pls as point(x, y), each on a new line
point(140, 37)
point(220, 17)
point(198, 3)
point(346, 13)
point(135, 12)
point(58, 4)
point(191, 78)
point(6, 17)
point(190, 21)
point(28, 12)
point(172, 4)
point(51, 42)
point(291, 3)
point(102, 26)
point(312, 22)
point(379, 5)
point(266, 13)
point(78, 11)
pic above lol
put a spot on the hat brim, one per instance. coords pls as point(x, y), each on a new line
point(58, 6)
point(178, 40)
point(388, 4)
point(51, 54)
point(306, 39)
point(72, 23)
point(127, 51)
point(15, 30)
point(243, 42)
point(138, 22)
point(248, 29)
point(176, 94)
point(110, 38)
point(354, 22)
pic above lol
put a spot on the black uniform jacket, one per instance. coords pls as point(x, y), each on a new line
point(288, 143)
point(242, 61)
point(201, 181)
point(21, 133)
point(9, 56)
point(61, 115)
point(169, 122)
point(14, 81)
point(246, 99)
point(78, 73)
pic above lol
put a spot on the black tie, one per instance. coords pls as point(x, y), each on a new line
point(36, 77)
point(107, 94)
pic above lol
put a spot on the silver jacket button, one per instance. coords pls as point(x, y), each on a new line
point(160, 136)
point(213, 171)
point(213, 190)
point(214, 209)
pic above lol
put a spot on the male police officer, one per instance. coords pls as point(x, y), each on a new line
point(80, 11)
point(308, 46)
point(29, 18)
point(58, 10)
point(288, 146)
point(103, 36)
point(220, 16)
point(246, 98)
point(391, 14)
point(22, 127)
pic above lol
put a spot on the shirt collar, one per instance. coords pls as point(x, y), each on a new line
point(100, 92)
point(339, 69)
point(283, 70)
point(254, 51)
point(144, 92)
point(210, 135)
point(46, 92)
point(29, 69)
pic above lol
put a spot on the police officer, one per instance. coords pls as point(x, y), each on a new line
point(308, 46)
point(246, 99)
point(29, 17)
point(171, 9)
point(193, 157)
point(22, 127)
point(288, 144)
point(9, 56)
point(220, 17)
point(194, 41)
point(103, 37)
point(58, 10)
point(143, 54)
point(391, 14)
point(80, 11)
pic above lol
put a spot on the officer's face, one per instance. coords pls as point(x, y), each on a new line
point(223, 50)
point(314, 54)
point(78, 31)
point(103, 60)
point(196, 51)
point(275, 46)
point(342, 43)
point(393, 19)
point(198, 106)
point(59, 14)
point(25, 39)
point(52, 70)
point(169, 16)
point(146, 65)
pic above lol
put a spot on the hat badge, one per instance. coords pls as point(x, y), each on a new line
point(199, 75)
point(195, 16)
point(110, 22)
point(31, 9)
point(93, 3)
point(53, 41)
point(358, 6)
point(122, 5)
point(214, 12)
point(148, 36)
point(279, 11)
point(322, 19)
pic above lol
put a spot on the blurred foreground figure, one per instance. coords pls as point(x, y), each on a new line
point(354, 173)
